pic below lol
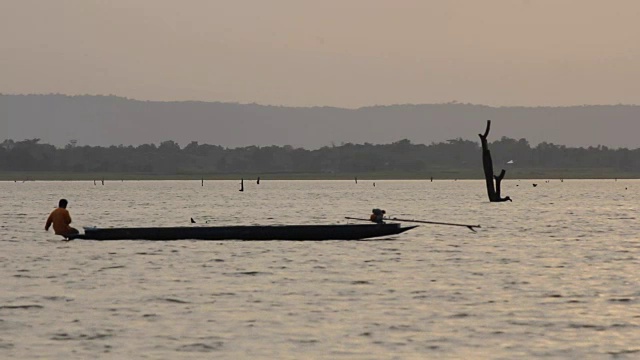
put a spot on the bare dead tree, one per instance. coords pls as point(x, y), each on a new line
point(493, 190)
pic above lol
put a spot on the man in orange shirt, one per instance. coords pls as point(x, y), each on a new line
point(61, 219)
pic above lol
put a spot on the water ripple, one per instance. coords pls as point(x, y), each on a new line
point(551, 275)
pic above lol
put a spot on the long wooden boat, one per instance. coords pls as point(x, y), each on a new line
point(274, 232)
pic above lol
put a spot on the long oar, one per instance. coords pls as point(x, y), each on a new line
point(470, 227)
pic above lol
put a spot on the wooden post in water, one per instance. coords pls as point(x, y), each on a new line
point(492, 190)
point(202, 181)
point(241, 184)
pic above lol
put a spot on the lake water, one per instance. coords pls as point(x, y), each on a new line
point(555, 274)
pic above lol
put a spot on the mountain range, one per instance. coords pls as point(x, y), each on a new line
point(112, 120)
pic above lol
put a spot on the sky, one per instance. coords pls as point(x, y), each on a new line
point(343, 53)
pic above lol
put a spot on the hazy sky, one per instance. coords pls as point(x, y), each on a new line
point(346, 53)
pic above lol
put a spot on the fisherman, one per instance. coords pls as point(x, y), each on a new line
point(61, 219)
point(377, 216)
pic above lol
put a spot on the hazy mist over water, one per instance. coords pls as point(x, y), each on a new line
point(551, 275)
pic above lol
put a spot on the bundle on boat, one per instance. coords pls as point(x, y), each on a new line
point(271, 232)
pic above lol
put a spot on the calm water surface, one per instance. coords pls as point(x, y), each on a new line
point(555, 274)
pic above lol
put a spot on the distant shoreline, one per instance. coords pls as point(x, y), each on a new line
point(95, 121)
point(460, 174)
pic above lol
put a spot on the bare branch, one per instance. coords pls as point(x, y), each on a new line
point(486, 131)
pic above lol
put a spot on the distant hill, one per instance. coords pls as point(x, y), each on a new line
point(111, 120)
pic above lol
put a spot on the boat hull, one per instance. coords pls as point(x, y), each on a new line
point(276, 232)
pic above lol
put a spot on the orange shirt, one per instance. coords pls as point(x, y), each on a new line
point(60, 219)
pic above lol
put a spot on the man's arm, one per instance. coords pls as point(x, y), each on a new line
point(67, 218)
point(48, 224)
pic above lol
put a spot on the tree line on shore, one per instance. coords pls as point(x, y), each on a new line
point(400, 156)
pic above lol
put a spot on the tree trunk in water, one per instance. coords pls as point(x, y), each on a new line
point(493, 190)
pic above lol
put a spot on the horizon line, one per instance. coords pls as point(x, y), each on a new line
point(452, 102)
point(330, 145)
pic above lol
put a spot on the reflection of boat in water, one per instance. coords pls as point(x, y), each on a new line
point(272, 232)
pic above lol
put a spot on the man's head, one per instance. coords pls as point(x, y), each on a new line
point(63, 203)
